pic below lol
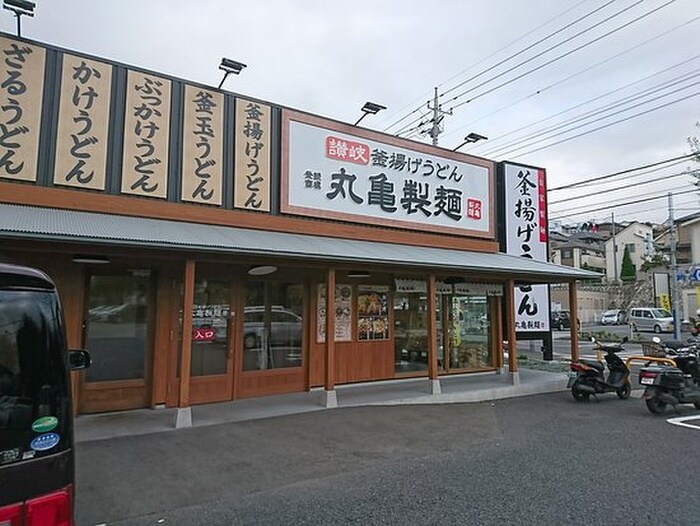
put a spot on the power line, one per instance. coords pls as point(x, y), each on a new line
point(548, 133)
point(641, 173)
point(574, 75)
point(546, 51)
point(617, 189)
point(478, 63)
point(538, 55)
point(615, 174)
point(654, 198)
point(609, 124)
point(567, 26)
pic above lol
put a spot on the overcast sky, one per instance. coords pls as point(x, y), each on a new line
point(328, 58)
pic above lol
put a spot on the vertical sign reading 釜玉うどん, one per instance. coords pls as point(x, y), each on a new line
point(83, 121)
point(202, 146)
point(21, 92)
point(252, 171)
point(146, 134)
point(526, 236)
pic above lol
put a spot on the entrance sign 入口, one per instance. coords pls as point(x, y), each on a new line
point(339, 172)
point(525, 209)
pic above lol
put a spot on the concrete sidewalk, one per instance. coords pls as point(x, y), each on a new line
point(475, 387)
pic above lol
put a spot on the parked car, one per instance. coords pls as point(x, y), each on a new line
point(37, 457)
point(651, 319)
point(613, 317)
point(560, 320)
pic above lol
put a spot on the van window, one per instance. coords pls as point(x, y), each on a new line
point(34, 403)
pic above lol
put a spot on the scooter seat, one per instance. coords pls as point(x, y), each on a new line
point(593, 363)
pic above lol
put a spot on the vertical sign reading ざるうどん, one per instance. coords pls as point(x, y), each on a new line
point(146, 134)
point(526, 236)
point(339, 172)
point(21, 90)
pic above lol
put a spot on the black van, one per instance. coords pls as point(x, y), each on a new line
point(37, 469)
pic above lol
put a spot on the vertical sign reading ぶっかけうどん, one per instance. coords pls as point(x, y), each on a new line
point(21, 90)
point(146, 135)
point(525, 225)
point(340, 172)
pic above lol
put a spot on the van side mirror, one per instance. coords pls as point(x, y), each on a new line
point(79, 359)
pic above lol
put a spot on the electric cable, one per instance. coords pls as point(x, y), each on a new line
point(622, 172)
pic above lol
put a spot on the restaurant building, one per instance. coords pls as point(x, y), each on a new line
point(195, 234)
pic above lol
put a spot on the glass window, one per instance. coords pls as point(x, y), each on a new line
point(272, 327)
point(469, 332)
point(117, 327)
point(210, 327)
point(410, 332)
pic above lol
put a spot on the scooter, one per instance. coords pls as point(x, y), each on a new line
point(587, 377)
point(669, 385)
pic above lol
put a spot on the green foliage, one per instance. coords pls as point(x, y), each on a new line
point(694, 144)
point(657, 260)
point(627, 272)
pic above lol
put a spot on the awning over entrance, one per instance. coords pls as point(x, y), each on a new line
point(49, 224)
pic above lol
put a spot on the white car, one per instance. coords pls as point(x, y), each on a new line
point(613, 317)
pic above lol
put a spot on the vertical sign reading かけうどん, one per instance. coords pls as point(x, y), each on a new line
point(83, 120)
point(526, 236)
point(21, 92)
point(340, 172)
point(252, 171)
point(146, 134)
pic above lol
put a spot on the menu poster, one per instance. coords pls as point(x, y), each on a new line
point(372, 313)
point(343, 314)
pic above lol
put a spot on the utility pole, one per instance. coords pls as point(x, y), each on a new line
point(438, 116)
point(612, 220)
point(674, 272)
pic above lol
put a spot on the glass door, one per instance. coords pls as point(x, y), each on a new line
point(468, 332)
point(211, 371)
point(116, 332)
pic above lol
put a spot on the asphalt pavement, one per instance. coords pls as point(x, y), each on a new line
point(541, 459)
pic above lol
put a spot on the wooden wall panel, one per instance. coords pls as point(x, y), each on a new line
point(30, 195)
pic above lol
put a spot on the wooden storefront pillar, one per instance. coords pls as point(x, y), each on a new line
point(573, 315)
point(432, 337)
point(330, 397)
point(510, 331)
point(184, 411)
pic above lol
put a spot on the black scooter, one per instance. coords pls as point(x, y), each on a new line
point(587, 377)
point(668, 385)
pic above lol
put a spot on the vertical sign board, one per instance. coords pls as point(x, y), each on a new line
point(146, 134)
point(21, 91)
point(252, 167)
point(202, 146)
point(525, 209)
point(83, 120)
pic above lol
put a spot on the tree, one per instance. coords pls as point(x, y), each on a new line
point(694, 143)
point(627, 272)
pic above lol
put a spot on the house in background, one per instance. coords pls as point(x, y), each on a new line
point(637, 239)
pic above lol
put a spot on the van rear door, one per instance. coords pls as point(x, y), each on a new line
point(36, 439)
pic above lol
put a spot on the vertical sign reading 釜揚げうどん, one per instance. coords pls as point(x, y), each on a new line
point(146, 134)
point(338, 172)
point(526, 236)
point(252, 170)
point(83, 121)
point(202, 148)
point(21, 93)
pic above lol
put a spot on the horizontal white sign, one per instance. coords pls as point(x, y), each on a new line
point(332, 174)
